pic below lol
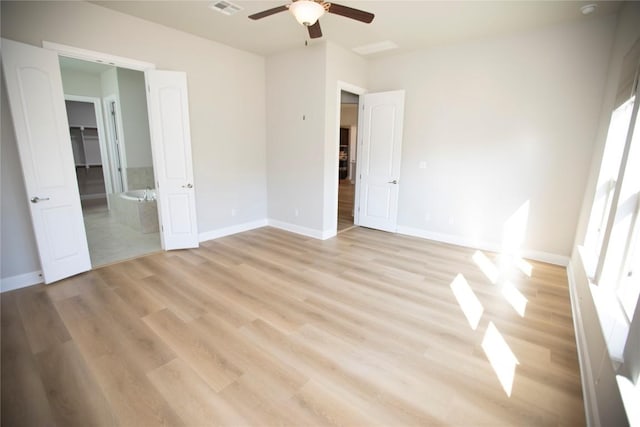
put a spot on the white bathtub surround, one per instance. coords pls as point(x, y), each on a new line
point(137, 209)
point(146, 195)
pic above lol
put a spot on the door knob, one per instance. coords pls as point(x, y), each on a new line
point(395, 181)
point(37, 199)
point(187, 186)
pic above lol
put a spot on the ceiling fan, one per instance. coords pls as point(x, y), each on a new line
point(307, 13)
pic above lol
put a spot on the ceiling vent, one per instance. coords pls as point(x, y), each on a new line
point(225, 7)
point(375, 47)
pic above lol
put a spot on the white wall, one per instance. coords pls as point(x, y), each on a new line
point(226, 101)
point(303, 120)
point(295, 137)
point(602, 396)
point(80, 83)
point(500, 123)
point(109, 83)
point(135, 118)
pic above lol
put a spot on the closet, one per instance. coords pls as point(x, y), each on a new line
point(85, 144)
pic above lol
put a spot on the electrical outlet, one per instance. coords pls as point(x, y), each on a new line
point(234, 212)
point(295, 212)
point(422, 165)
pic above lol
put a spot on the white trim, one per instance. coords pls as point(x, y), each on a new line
point(332, 196)
point(100, 57)
point(328, 234)
point(584, 360)
point(353, 142)
point(298, 229)
point(21, 281)
point(122, 151)
point(547, 257)
point(234, 229)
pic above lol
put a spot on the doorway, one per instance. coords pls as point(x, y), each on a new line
point(36, 100)
point(115, 180)
point(347, 160)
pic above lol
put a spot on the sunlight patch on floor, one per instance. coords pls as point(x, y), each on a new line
point(514, 297)
point(468, 301)
point(487, 267)
point(502, 359)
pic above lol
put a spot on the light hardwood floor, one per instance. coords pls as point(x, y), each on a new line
point(346, 194)
point(271, 328)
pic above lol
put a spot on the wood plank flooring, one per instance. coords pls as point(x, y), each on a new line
point(271, 328)
point(346, 194)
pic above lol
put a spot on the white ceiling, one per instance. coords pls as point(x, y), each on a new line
point(410, 24)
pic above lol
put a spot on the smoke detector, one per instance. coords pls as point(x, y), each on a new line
point(588, 9)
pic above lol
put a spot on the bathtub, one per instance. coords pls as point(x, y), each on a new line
point(136, 208)
point(148, 195)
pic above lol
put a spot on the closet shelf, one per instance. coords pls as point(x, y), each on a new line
point(86, 146)
point(83, 127)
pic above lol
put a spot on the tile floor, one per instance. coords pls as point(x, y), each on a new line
point(110, 241)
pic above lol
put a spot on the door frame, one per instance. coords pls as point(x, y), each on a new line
point(113, 60)
point(121, 153)
point(99, 57)
point(332, 195)
point(148, 69)
point(97, 110)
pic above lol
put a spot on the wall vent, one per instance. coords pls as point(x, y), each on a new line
point(225, 7)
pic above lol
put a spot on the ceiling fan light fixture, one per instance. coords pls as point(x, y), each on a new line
point(307, 12)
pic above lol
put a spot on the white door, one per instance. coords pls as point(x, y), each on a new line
point(381, 121)
point(171, 146)
point(36, 100)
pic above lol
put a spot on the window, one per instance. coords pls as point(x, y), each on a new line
point(609, 171)
point(613, 235)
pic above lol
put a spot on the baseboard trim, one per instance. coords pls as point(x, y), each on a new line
point(21, 281)
point(234, 229)
point(588, 385)
point(298, 229)
point(547, 257)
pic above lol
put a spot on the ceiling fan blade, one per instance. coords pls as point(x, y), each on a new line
point(314, 30)
point(349, 12)
point(268, 12)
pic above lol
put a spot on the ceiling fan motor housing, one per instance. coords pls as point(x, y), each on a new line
point(307, 12)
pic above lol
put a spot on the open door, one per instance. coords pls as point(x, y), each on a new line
point(171, 146)
point(36, 100)
point(381, 122)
